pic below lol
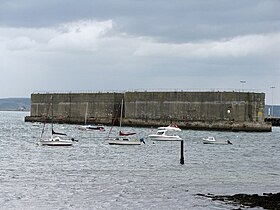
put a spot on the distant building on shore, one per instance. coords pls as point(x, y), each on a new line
point(272, 111)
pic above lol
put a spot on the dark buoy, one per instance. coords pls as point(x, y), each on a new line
point(182, 153)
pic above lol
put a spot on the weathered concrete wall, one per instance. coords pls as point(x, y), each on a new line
point(195, 106)
point(71, 107)
point(236, 111)
point(195, 110)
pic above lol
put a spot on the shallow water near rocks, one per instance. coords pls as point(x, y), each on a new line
point(95, 175)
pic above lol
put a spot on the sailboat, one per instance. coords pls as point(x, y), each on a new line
point(56, 139)
point(90, 127)
point(123, 138)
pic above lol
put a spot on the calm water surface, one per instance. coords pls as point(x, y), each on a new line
point(94, 175)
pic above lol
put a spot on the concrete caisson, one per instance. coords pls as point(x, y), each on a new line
point(236, 111)
point(73, 107)
point(239, 111)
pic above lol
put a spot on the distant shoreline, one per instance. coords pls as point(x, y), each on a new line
point(15, 104)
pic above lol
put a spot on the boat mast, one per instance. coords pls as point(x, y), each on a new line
point(86, 113)
point(121, 115)
point(114, 120)
point(45, 119)
point(52, 110)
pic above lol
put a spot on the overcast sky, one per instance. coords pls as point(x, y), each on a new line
point(101, 45)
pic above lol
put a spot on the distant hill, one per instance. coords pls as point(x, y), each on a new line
point(15, 104)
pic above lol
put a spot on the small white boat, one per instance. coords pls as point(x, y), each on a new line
point(87, 127)
point(123, 138)
point(56, 141)
point(92, 127)
point(212, 140)
point(126, 141)
point(161, 135)
point(171, 127)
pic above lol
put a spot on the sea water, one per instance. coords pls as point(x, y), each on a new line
point(95, 175)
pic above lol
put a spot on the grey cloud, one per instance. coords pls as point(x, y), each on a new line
point(147, 45)
point(179, 21)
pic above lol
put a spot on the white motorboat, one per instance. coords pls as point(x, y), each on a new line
point(171, 127)
point(161, 135)
point(212, 140)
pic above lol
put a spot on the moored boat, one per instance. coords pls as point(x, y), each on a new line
point(56, 139)
point(123, 138)
point(92, 127)
point(171, 127)
point(161, 135)
point(213, 140)
point(126, 141)
point(89, 127)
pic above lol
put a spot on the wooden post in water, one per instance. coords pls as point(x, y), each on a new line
point(182, 152)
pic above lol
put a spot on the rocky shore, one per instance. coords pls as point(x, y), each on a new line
point(270, 201)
